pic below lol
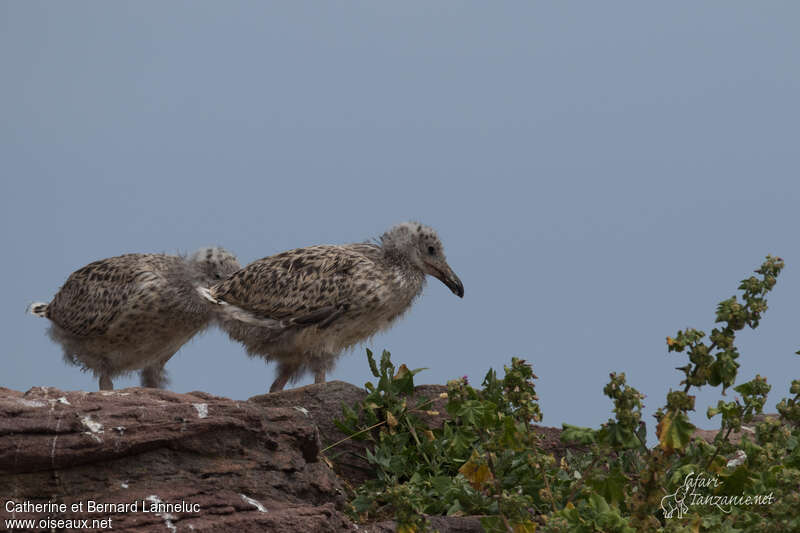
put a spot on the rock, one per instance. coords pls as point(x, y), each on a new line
point(222, 465)
point(321, 404)
point(324, 403)
point(244, 467)
point(735, 437)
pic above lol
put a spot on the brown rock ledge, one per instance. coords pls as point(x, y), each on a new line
point(233, 465)
point(247, 468)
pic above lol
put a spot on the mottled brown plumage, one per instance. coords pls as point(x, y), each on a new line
point(134, 311)
point(303, 307)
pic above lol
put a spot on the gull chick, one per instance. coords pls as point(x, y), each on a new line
point(134, 311)
point(303, 307)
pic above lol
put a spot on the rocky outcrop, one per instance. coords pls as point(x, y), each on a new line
point(735, 437)
point(323, 404)
point(235, 466)
point(152, 460)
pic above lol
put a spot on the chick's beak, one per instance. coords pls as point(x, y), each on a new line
point(449, 278)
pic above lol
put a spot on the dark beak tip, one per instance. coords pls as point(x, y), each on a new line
point(452, 281)
point(458, 289)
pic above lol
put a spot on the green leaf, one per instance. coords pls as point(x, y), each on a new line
point(372, 366)
point(618, 436)
point(580, 435)
point(674, 431)
point(387, 368)
point(735, 483)
point(724, 369)
point(611, 486)
point(493, 524)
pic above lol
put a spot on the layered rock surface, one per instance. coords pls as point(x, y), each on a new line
point(188, 462)
point(244, 467)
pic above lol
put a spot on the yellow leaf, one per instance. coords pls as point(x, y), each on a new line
point(402, 371)
point(662, 428)
point(477, 474)
point(429, 435)
point(670, 341)
point(674, 431)
point(406, 528)
point(525, 527)
point(390, 419)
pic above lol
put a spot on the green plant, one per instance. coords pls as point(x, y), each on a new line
point(483, 460)
point(486, 457)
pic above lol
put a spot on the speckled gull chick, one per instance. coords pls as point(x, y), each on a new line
point(134, 311)
point(303, 307)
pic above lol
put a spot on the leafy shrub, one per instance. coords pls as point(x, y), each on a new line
point(486, 458)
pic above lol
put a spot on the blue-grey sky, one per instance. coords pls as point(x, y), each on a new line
point(601, 173)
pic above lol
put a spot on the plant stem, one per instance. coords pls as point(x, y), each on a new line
point(353, 435)
point(727, 434)
point(547, 486)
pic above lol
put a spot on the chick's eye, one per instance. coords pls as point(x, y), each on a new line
point(217, 275)
point(431, 250)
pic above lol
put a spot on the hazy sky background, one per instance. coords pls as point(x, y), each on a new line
point(602, 174)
